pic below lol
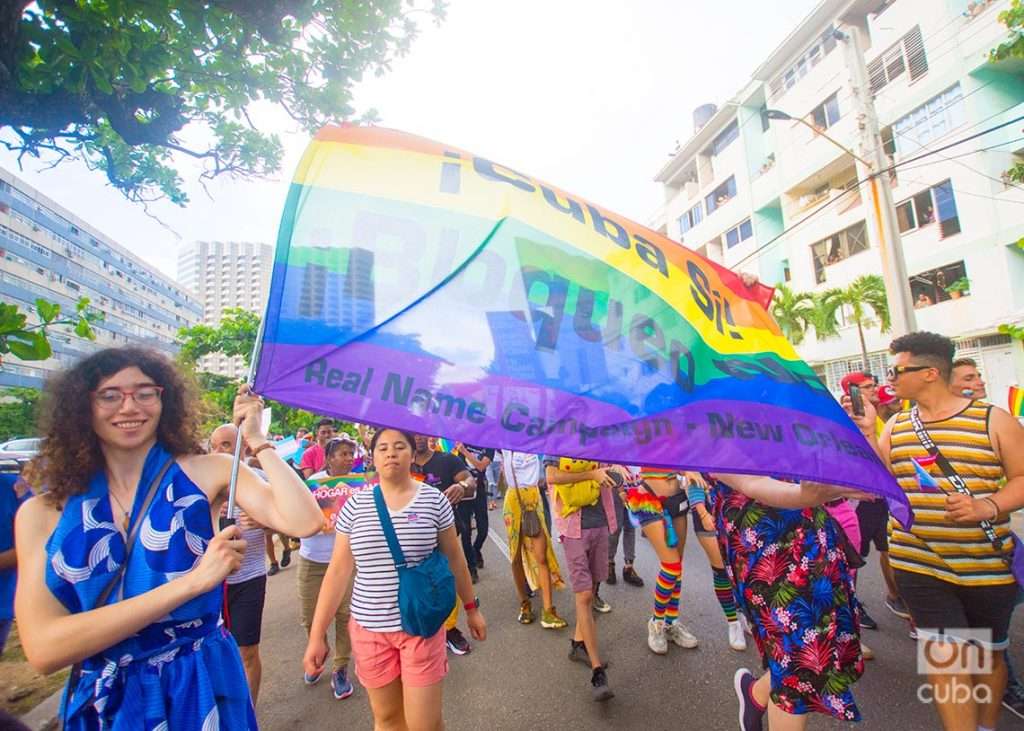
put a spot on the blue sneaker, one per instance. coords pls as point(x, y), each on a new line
point(312, 679)
point(751, 715)
point(340, 684)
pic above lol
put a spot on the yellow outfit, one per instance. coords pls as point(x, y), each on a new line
point(576, 495)
point(528, 498)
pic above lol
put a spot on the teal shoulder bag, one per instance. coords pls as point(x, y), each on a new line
point(426, 591)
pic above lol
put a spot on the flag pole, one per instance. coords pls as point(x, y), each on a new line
point(229, 519)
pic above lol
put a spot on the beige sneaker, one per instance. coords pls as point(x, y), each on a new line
point(681, 635)
point(656, 639)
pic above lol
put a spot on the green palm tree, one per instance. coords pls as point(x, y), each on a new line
point(794, 312)
point(865, 297)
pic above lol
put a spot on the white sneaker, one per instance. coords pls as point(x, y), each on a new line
point(656, 636)
point(681, 635)
point(736, 639)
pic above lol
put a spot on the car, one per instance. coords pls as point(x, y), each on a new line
point(20, 449)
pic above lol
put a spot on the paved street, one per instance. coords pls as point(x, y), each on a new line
point(520, 677)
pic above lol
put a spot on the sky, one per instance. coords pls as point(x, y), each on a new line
point(588, 95)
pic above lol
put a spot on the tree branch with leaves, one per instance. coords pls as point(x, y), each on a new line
point(1011, 48)
point(235, 335)
point(32, 342)
point(119, 84)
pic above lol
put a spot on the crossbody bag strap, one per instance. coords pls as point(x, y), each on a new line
point(951, 474)
point(515, 481)
point(389, 529)
point(129, 544)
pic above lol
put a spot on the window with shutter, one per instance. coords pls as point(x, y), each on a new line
point(876, 74)
point(913, 45)
point(906, 54)
point(894, 63)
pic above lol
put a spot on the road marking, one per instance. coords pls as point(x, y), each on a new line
point(500, 543)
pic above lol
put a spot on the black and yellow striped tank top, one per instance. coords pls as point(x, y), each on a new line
point(959, 554)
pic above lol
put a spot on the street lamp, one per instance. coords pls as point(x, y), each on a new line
point(779, 115)
point(885, 233)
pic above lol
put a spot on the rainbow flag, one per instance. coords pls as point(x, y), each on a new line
point(418, 285)
point(444, 445)
point(1016, 401)
point(925, 481)
point(331, 493)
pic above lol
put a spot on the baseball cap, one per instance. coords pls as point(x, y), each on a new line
point(886, 395)
point(854, 379)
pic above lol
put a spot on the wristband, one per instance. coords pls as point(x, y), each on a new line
point(470, 606)
point(265, 445)
point(995, 507)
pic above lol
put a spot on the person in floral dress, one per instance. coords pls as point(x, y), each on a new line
point(789, 573)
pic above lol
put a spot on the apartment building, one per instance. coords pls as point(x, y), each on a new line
point(777, 198)
point(225, 274)
point(47, 251)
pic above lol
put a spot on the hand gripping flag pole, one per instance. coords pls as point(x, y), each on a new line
point(229, 519)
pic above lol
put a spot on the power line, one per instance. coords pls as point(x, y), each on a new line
point(953, 144)
point(966, 154)
point(879, 173)
point(849, 95)
point(964, 165)
point(960, 191)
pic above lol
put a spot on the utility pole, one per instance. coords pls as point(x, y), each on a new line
point(884, 232)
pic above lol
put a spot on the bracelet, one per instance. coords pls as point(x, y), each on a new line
point(995, 507)
point(265, 445)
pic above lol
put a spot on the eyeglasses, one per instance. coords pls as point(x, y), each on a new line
point(894, 372)
point(112, 398)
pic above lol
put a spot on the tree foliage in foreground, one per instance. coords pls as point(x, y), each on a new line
point(117, 82)
point(1012, 48)
point(32, 342)
point(18, 412)
point(235, 335)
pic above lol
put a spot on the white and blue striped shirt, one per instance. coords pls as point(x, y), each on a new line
point(375, 591)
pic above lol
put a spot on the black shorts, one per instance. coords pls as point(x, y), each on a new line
point(244, 612)
point(677, 505)
point(937, 604)
point(873, 518)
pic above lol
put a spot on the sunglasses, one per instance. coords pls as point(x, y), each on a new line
point(894, 372)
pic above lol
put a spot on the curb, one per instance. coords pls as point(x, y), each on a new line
point(44, 716)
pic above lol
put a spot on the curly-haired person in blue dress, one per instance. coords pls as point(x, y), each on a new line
point(154, 655)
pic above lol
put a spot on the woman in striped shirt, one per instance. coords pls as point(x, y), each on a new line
point(401, 672)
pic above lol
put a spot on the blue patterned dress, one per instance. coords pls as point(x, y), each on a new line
point(181, 673)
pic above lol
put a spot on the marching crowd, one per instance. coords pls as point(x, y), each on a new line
point(124, 574)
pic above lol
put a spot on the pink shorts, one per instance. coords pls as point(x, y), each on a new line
point(846, 515)
point(381, 657)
